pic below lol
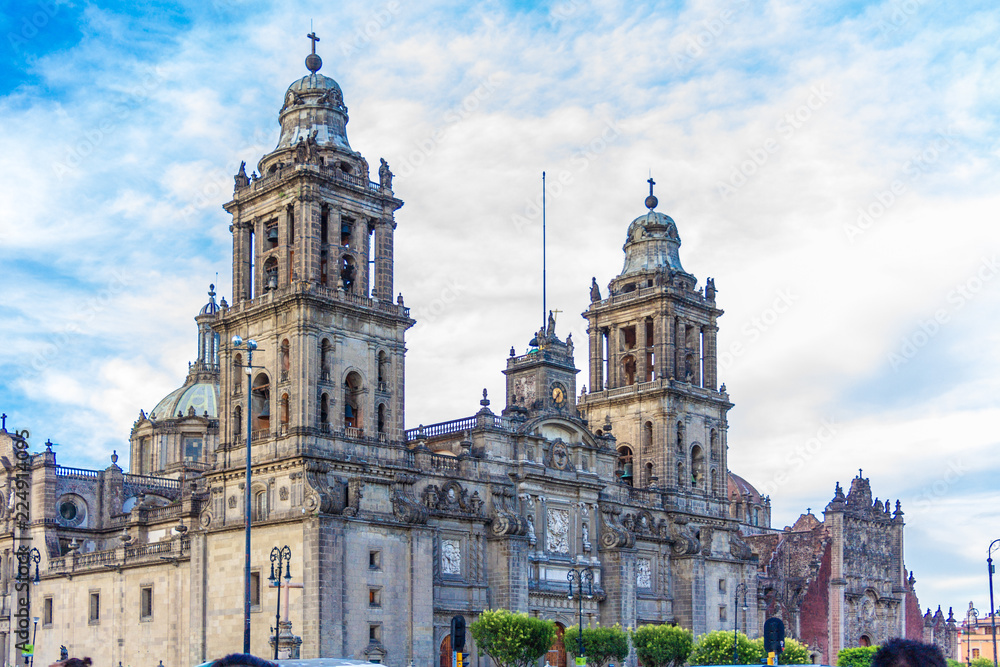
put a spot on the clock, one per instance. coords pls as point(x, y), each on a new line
point(558, 395)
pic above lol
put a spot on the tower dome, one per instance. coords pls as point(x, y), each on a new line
point(652, 243)
point(314, 109)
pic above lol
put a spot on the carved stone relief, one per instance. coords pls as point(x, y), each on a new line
point(643, 574)
point(451, 557)
point(557, 530)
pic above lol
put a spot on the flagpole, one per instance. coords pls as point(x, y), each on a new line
point(544, 311)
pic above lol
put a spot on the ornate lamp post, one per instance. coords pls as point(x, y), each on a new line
point(250, 346)
point(282, 555)
point(993, 613)
point(971, 622)
point(580, 575)
point(740, 588)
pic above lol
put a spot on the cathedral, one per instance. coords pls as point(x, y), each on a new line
point(392, 531)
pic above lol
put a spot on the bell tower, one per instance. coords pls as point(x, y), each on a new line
point(313, 285)
point(653, 372)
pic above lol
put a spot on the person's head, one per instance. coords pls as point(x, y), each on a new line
point(908, 653)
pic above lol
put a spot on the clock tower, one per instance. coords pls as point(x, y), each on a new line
point(543, 380)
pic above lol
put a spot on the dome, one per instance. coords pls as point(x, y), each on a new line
point(314, 111)
point(741, 487)
point(652, 244)
point(210, 308)
point(202, 396)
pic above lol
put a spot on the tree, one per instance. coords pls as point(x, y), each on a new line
point(510, 639)
point(982, 662)
point(601, 645)
point(856, 657)
point(716, 648)
point(662, 645)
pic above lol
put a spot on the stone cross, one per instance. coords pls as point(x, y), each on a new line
point(284, 604)
point(4, 418)
point(312, 37)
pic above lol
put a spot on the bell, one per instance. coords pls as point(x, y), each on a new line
point(272, 282)
point(349, 411)
point(272, 234)
point(627, 471)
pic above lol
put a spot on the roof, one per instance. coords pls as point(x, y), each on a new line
point(203, 397)
point(742, 487)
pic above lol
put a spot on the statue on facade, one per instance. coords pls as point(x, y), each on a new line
point(385, 174)
point(595, 291)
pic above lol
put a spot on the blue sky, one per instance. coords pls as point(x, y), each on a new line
point(838, 158)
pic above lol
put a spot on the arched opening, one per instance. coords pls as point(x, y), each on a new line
point(348, 271)
point(238, 421)
point(628, 369)
point(680, 474)
point(647, 439)
point(324, 412)
point(713, 442)
point(352, 400)
point(284, 409)
point(271, 274)
point(261, 403)
point(680, 436)
point(286, 359)
point(697, 466)
point(445, 660)
point(345, 232)
point(623, 468)
point(865, 640)
point(325, 352)
point(238, 379)
point(648, 478)
point(381, 419)
point(714, 482)
point(383, 370)
point(557, 654)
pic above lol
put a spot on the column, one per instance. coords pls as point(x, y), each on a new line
point(711, 357)
point(382, 287)
point(596, 369)
point(640, 351)
point(681, 347)
point(614, 372)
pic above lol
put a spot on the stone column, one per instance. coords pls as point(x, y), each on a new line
point(711, 357)
point(614, 373)
point(596, 365)
point(508, 572)
point(382, 286)
point(681, 347)
point(640, 351)
point(666, 347)
point(618, 583)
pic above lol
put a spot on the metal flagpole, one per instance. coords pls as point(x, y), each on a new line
point(544, 310)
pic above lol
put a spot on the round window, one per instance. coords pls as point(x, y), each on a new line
point(67, 511)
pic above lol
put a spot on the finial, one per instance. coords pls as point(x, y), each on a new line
point(114, 456)
point(485, 402)
point(860, 476)
point(211, 290)
point(48, 446)
point(3, 418)
point(512, 352)
point(313, 61)
point(651, 200)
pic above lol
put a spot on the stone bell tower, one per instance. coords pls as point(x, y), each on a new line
point(313, 285)
point(653, 369)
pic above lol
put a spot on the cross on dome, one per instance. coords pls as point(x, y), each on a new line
point(313, 61)
point(651, 200)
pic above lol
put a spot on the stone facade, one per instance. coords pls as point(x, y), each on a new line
point(394, 531)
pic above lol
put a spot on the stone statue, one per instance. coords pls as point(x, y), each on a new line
point(385, 175)
point(569, 345)
point(551, 328)
point(595, 291)
point(710, 289)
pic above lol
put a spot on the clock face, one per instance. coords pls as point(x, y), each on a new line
point(558, 395)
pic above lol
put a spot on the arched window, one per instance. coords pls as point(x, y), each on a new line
point(285, 409)
point(348, 271)
point(647, 439)
point(271, 274)
point(381, 418)
point(623, 468)
point(325, 353)
point(383, 370)
point(697, 467)
point(324, 412)
point(238, 378)
point(261, 403)
point(259, 505)
point(649, 474)
point(715, 482)
point(714, 445)
point(285, 360)
point(680, 474)
point(238, 421)
point(352, 400)
point(680, 436)
point(628, 369)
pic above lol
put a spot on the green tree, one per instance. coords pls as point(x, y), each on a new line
point(510, 639)
point(856, 657)
point(601, 645)
point(662, 645)
point(716, 648)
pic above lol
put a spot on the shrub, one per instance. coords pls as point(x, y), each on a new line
point(512, 640)
point(662, 645)
point(716, 648)
point(601, 645)
point(856, 657)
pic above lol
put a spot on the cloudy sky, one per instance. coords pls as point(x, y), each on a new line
point(833, 165)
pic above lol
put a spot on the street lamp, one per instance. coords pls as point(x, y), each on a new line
point(971, 621)
point(740, 588)
point(250, 346)
point(993, 613)
point(282, 555)
point(34, 635)
point(580, 575)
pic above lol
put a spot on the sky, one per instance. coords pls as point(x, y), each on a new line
point(832, 165)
